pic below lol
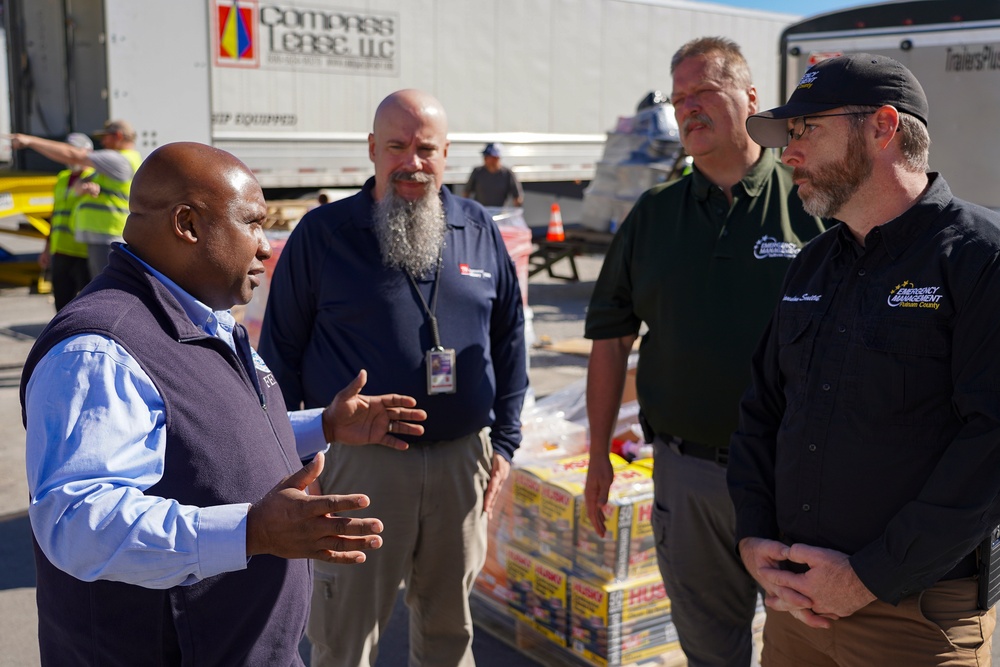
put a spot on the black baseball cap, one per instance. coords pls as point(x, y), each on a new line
point(860, 79)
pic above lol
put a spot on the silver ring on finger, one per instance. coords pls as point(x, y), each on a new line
point(392, 425)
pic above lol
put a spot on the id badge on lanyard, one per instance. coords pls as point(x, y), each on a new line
point(440, 371)
point(440, 362)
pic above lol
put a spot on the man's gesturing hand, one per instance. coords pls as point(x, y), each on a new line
point(355, 419)
point(289, 523)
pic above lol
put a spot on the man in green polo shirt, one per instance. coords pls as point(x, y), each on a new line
point(700, 261)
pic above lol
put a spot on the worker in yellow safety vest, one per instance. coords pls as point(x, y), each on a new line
point(102, 209)
point(64, 256)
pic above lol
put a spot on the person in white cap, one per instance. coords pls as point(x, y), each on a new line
point(864, 471)
point(493, 184)
point(100, 216)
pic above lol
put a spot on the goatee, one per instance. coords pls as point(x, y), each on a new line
point(411, 234)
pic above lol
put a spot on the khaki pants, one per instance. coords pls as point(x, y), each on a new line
point(430, 500)
point(939, 627)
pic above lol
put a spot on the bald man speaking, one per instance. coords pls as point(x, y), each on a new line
point(168, 506)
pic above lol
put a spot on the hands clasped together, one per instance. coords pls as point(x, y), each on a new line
point(827, 591)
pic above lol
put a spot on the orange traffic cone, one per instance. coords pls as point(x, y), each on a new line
point(556, 232)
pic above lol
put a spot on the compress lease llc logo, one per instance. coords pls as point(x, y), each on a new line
point(235, 33)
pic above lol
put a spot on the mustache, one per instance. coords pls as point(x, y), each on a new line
point(697, 118)
point(415, 176)
point(799, 172)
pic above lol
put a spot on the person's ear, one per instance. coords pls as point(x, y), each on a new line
point(183, 223)
point(886, 122)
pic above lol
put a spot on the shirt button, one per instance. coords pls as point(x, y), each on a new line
point(861, 272)
point(805, 508)
point(812, 447)
point(841, 328)
point(826, 387)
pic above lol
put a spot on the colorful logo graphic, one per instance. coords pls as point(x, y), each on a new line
point(236, 33)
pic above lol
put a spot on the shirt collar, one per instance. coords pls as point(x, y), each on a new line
point(900, 232)
point(200, 315)
point(753, 182)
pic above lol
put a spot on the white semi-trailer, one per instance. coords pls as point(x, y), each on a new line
point(290, 86)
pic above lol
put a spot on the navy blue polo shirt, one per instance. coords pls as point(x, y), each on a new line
point(334, 308)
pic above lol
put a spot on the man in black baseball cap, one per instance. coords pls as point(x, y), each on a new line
point(863, 471)
point(861, 79)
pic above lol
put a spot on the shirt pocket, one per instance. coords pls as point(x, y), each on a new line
point(907, 369)
point(794, 343)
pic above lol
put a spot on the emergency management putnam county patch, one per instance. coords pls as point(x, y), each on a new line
point(908, 295)
point(768, 246)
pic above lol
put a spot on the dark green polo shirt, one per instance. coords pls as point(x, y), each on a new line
point(704, 277)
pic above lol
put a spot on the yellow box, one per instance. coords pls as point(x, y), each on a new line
point(621, 622)
point(520, 577)
point(550, 615)
point(561, 502)
point(628, 548)
point(527, 483)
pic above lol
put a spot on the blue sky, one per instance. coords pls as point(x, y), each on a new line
point(801, 7)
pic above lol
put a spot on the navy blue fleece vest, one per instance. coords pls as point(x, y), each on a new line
point(223, 446)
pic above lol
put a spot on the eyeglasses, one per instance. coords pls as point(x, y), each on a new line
point(800, 124)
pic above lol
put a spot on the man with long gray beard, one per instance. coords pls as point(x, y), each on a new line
point(864, 471)
point(416, 286)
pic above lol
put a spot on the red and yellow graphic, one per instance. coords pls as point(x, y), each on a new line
point(236, 33)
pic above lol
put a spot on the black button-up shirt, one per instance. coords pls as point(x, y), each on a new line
point(872, 425)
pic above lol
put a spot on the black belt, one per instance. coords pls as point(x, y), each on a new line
point(719, 455)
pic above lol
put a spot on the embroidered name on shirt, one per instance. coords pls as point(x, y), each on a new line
point(908, 295)
point(768, 246)
point(473, 273)
point(803, 297)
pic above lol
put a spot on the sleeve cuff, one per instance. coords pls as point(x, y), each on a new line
point(308, 428)
point(222, 539)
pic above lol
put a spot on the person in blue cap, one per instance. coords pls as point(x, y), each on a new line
point(493, 184)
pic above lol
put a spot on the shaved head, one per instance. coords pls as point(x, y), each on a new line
point(196, 215)
point(408, 144)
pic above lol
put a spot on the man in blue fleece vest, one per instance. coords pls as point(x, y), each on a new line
point(156, 434)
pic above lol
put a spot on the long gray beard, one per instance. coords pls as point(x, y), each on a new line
point(410, 235)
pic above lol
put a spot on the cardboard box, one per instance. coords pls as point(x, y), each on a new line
point(622, 622)
point(628, 548)
point(550, 614)
point(561, 504)
point(527, 485)
point(520, 578)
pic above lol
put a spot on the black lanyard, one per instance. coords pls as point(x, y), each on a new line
point(430, 310)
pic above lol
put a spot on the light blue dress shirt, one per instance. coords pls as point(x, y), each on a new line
point(96, 438)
